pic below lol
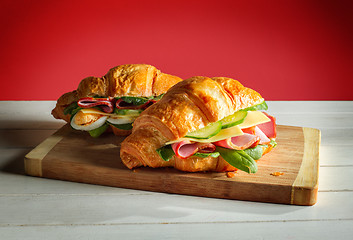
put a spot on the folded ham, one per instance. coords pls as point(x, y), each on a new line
point(105, 104)
point(239, 142)
point(269, 128)
point(186, 148)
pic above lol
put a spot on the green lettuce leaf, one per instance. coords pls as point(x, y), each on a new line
point(255, 153)
point(139, 100)
point(72, 109)
point(239, 159)
point(166, 152)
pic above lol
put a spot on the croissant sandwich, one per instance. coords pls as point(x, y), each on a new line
point(202, 124)
point(115, 100)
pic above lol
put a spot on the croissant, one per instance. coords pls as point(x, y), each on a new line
point(139, 84)
point(171, 133)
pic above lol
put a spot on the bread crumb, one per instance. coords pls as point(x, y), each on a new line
point(230, 174)
point(276, 174)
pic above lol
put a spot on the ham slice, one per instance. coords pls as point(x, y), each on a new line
point(269, 128)
point(262, 136)
point(251, 138)
point(239, 142)
point(106, 104)
point(250, 130)
point(121, 104)
point(186, 148)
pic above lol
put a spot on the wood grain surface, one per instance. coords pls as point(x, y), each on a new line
point(75, 156)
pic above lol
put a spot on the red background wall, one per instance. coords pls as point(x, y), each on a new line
point(287, 50)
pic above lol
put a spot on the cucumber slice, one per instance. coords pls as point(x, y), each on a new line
point(206, 132)
point(127, 111)
point(234, 119)
point(261, 106)
point(205, 155)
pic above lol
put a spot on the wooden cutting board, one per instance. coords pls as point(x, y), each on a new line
point(288, 174)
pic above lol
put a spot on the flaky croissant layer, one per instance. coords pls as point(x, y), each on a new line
point(188, 106)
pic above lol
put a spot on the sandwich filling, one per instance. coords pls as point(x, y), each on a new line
point(96, 114)
point(239, 139)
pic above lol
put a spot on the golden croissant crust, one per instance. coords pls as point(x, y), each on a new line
point(139, 80)
point(187, 106)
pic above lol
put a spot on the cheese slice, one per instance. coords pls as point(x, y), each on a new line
point(95, 111)
point(252, 119)
point(113, 115)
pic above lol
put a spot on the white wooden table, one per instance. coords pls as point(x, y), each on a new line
point(38, 208)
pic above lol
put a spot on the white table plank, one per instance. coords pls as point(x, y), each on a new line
point(163, 208)
point(335, 178)
point(314, 230)
point(310, 106)
point(316, 120)
point(337, 137)
point(28, 115)
point(336, 155)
